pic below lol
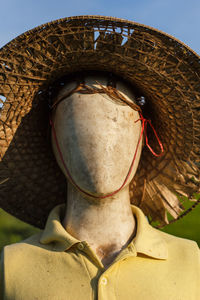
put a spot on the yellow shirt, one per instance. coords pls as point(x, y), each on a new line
point(55, 266)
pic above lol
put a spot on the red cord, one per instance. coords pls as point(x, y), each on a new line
point(145, 122)
point(143, 129)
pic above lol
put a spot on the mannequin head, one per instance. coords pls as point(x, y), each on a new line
point(97, 137)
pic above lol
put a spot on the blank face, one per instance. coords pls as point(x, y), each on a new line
point(98, 138)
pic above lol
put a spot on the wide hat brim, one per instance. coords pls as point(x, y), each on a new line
point(165, 70)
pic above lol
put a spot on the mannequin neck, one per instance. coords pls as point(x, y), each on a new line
point(107, 224)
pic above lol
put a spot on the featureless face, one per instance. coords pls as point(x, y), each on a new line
point(97, 137)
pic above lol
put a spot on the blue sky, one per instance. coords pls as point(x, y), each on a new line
point(179, 18)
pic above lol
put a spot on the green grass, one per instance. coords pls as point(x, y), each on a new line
point(13, 230)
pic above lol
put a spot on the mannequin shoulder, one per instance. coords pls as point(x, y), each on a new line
point(181, 247)
point(26, 250)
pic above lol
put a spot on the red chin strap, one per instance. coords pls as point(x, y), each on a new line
point(144, 122)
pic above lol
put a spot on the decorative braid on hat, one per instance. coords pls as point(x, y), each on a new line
point(111, 91)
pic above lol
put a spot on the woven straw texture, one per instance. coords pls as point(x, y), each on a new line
point(166, 72)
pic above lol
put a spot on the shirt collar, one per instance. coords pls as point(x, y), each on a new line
point(55, 233)
point(148, 240)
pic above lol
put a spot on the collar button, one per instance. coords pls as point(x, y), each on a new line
point(80, 246)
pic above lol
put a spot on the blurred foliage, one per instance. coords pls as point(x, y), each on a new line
point(189, 226)
point(13, 230)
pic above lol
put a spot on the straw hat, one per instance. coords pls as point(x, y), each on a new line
point(164, 70)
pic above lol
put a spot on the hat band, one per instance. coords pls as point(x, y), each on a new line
point(82, 88)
